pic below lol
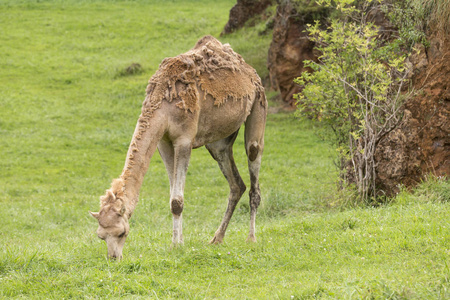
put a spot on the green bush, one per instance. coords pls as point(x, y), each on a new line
point(354, 90)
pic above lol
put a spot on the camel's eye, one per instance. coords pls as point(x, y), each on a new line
point(100, 234)
point(122, 234)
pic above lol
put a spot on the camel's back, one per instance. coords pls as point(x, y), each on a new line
point(209, 70)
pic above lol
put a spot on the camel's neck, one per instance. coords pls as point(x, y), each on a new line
point(149, 130)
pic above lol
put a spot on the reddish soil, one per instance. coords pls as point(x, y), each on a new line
point(421, 144)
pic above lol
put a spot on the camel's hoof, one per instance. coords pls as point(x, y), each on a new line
point(251, 239)
point(216, 240)
point(177, 244)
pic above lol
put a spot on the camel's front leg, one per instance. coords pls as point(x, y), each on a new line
point(182, 155)
point(167, 152)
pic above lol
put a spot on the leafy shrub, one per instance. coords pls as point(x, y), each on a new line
point(355, 90)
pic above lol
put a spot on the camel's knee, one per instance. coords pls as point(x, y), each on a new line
point(255, 198)
point(253, 151)
point(237, 190)
point(240, 187)
point(176, 205)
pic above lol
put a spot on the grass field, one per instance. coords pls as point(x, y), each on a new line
point(67, 113)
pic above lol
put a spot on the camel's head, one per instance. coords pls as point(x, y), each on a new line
point(113, 225)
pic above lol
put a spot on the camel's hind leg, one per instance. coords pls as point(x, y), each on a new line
point(222, 152)
point(254, 145)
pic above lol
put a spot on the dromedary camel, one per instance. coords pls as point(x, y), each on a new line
point(199, 98)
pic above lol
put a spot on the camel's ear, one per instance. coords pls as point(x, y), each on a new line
point(94, 214)
point(122, 210)
point(111, 195)
point(107, 198)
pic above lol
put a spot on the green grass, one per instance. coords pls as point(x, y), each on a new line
point(67, 114)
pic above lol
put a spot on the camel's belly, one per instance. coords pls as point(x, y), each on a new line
point(218, 122)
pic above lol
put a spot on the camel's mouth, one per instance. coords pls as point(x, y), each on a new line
point(115, 253)
point(117, 257)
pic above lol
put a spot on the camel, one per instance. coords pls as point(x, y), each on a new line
point(199, 98)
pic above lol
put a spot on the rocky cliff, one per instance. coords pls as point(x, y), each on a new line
point(288, 49)
point(243, 11)
point(420, 145)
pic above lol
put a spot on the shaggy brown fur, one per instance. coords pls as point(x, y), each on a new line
point(115, 192)
point(215, 68)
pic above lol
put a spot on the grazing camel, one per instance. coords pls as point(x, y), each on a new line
point(199, 98)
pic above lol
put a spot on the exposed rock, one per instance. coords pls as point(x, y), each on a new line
point(134, 68)
point(288, 49)
point(421, 144)
point(243, 11)
point(385, 28)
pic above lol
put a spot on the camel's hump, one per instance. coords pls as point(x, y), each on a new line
point(206, 39)
point(210, 65)
point(207, 56)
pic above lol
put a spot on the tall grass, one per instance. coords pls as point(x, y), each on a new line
point(436, 13)
point(415, 19)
